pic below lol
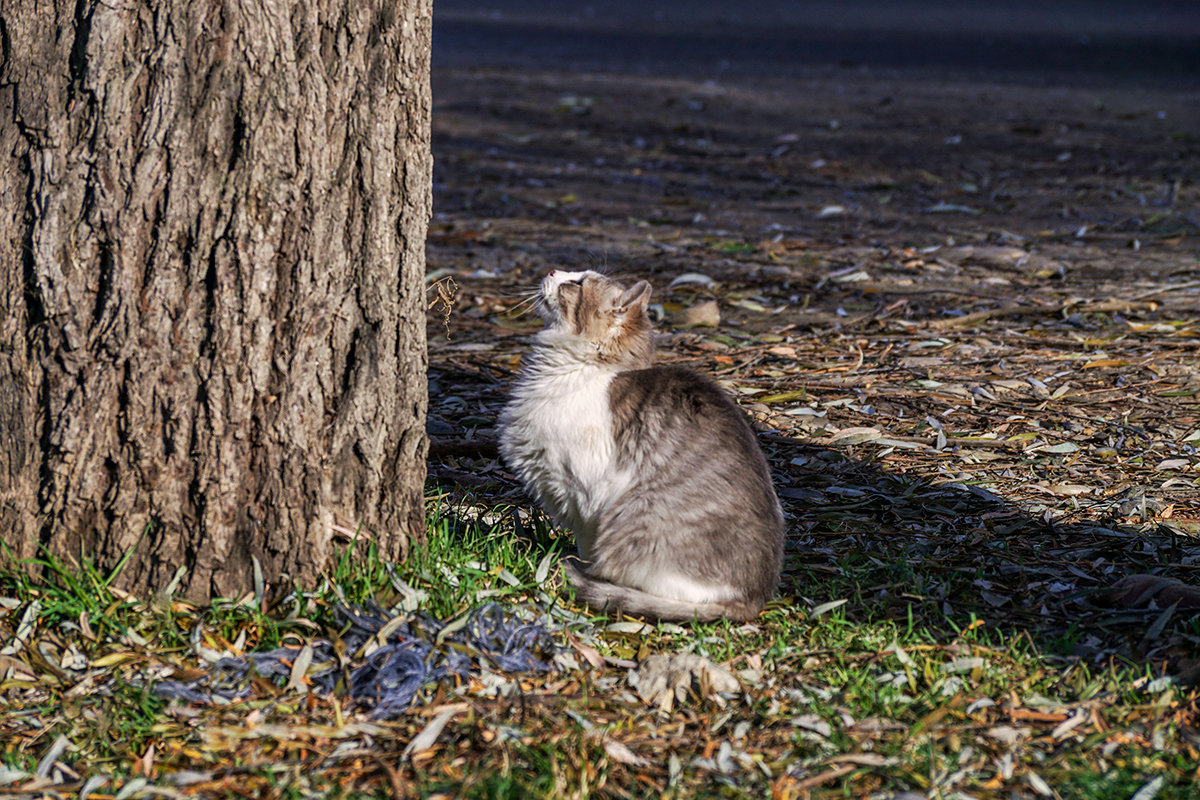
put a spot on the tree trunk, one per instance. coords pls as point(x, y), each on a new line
point(212, 220)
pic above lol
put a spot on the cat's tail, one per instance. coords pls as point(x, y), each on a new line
point(605, 596)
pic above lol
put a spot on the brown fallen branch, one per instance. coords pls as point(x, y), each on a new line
point(892, 291)
point(1175, 287)
point(928, 441)
point(1136, 591)
point(1145, 344)
point(1022, 310)
point(819, 778)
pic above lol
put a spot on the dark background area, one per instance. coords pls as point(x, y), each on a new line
point(1077, 43)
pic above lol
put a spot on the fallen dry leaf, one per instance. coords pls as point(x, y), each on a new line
point(663, 680)
point(701, 315)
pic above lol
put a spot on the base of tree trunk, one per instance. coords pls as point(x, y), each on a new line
point(212, 344)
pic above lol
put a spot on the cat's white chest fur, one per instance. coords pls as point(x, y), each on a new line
point(557, 432)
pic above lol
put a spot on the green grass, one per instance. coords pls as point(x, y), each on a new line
point(961, 706)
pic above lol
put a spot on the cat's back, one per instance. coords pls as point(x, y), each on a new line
point(662, 400)
point(704, 489)
point(687, 438)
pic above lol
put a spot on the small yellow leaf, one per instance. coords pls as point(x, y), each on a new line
point(798, 394)
point(1063, 489)
point(850, 436)
point(113, 659)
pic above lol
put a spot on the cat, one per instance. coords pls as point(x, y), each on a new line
point(654, 468)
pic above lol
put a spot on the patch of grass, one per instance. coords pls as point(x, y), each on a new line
point(119, 729)
point(68, 594)
point(470, 554)
point(835, 703)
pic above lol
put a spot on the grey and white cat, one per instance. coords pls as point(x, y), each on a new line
point(653, 467)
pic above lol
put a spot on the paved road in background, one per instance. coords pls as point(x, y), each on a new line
point(1070, 42)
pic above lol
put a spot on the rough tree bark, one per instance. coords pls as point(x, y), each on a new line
point(212, 225)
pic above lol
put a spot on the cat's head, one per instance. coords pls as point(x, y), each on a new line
point(598, 316)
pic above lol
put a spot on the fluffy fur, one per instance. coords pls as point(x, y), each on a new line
point(655, 469)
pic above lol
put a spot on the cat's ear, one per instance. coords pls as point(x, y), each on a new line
point(635, 298)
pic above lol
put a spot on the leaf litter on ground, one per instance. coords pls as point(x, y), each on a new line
point(980, 422)
point(379, 661)
point(982, 426)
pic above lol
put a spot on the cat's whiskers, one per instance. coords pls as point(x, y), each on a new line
point(524, 307)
